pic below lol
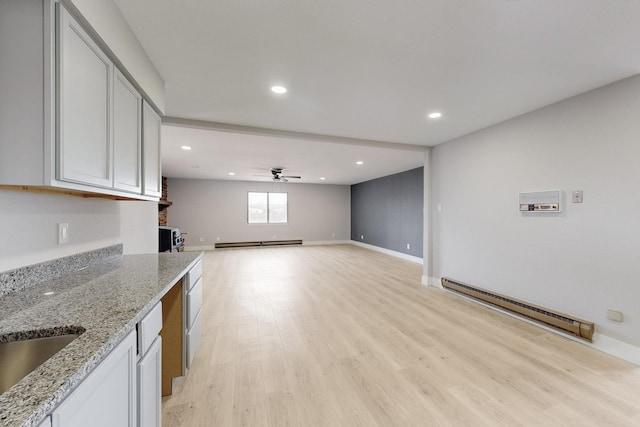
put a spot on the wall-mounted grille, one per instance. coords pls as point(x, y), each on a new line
point(578, 327)
point(258, 244)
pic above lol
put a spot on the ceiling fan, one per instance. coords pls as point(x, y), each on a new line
point(276, 175)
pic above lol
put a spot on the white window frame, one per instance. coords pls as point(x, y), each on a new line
point(268, 207)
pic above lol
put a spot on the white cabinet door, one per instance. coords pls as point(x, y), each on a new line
point(194, 275)
point(150, 386)
point(127, 134)
point(193, 339)
point(194, 302)
point(151, 152)
point(107, 397)
point(84, 83)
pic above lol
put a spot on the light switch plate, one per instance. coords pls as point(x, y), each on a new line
point(63, 232)
point(577, 196)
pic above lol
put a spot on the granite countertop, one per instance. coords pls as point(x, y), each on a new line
point(106, 299)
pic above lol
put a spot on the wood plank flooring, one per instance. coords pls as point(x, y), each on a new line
point(343, 336)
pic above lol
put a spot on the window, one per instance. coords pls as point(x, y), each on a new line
point(266, 208)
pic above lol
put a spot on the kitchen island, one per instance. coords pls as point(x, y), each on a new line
point(105, 299)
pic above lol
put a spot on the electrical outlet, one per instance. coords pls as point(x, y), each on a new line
point(63, 233)
point(333, 235)
point(614, 315)
point(217, 239)
point(439, 207)
point(201, 239)
point(362, 237)
point(408, 246)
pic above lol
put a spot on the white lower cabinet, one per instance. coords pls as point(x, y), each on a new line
point(150, 369)
point(193, 340)
point(150, 386)
point(193, 303)
point(107, 397)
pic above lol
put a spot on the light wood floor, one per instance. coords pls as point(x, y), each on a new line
point(342, 336)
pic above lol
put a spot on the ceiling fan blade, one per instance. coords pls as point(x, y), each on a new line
point(291, 176)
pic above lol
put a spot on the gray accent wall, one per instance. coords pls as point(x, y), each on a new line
point(388, 212)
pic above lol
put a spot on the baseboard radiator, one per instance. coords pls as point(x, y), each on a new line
point(259, 244)
point(564, 322)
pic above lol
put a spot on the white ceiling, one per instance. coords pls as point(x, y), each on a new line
point(373, 69)
point(215, 153)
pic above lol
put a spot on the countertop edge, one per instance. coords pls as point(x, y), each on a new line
point(74, 380)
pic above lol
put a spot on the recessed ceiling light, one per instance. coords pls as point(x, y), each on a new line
point(322, 178)
point(232, 173)
point(359, 162)
point(49, 293)
point(279, 89)
point(186, 148)
point(435, 115)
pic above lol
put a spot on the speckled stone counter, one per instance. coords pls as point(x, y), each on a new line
point(106, 300)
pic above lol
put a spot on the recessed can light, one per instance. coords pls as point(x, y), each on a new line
point(278, 89)
point(322, 178)
point(232, 173)
point(186, 148)
point(359, 162)
point(435, 115)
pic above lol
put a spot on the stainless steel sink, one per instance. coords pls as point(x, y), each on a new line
point(19, 358)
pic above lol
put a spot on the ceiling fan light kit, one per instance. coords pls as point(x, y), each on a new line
point(277, 175)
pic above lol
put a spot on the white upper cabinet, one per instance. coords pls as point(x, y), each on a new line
point(151, 152)
point(69, 118)
point(85, 76)
point(127, 132)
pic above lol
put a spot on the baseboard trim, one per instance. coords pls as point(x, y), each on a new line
point(199, 248)
point(616, 348)
point(387, 252)
point(304, 243)
point(324, 242)
point(431, 281)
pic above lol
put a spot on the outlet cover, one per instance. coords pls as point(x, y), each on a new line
point(614, 315)
point(63, 233)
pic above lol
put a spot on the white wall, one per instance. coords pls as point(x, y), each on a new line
point(107, 20)
point(138, 226)
point(209, 209)
point(30, 226)
point(581, 261)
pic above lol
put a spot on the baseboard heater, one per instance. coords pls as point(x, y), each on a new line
point(574, 326)
point(258, 244)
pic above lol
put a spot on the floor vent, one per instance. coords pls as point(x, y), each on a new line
point(578, 327)
point(259, 244)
